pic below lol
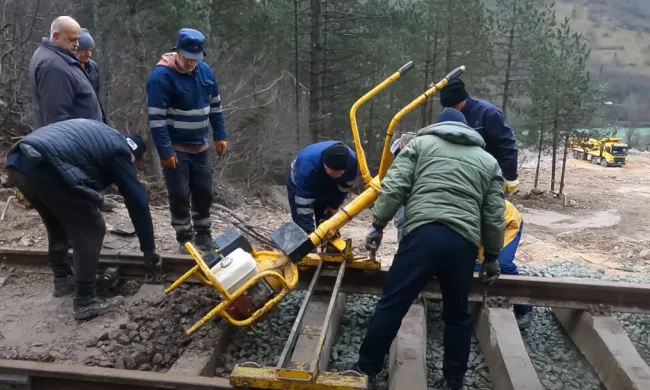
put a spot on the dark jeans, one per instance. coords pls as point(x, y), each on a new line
point(67, 215)
point(189, 187)
point(427, 251)
point(508, 266)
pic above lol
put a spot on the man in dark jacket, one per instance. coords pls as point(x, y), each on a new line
point(60, 86)
point(488, 120)
point(318, 181)
point(61, 169)
point(453, 191)
point(85, 52)
point(184, 103)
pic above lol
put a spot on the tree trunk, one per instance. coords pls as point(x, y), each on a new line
point(450, 21)
point(434, 63)
point(566, 150)
point(555, 139)
point(511, 45)
point(316, 69)
point(539, 151)
point(427, 62)
point(296, 58)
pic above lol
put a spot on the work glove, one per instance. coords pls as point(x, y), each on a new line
point(490, 269)
point(510, 187)
point(152, 261)
point(221, 147)
point(373, 239)
point(329, 212)
point(169, 162)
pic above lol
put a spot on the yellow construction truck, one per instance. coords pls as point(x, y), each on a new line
point(607, 152)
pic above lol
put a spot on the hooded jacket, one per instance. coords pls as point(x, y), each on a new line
point(513, 224)
point(183, 106)
point(444, 175)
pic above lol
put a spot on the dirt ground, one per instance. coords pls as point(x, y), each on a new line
point(603, 222)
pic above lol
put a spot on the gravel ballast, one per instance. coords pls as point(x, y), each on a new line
point(637, 326)
point(558, 362)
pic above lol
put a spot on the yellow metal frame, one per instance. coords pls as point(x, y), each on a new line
point(325, 234)
point(202, 272)
point(251, 375)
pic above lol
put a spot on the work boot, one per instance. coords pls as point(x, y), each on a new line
point(204, 243)
point(87, 307)
point(107, 205)
point(183, 237)
point(524, 320)
point(452, 384)
point(63, 286)
point(372, 379)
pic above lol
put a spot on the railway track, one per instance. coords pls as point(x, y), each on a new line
point(584, 308)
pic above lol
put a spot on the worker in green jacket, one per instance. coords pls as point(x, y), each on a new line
point(453, 191)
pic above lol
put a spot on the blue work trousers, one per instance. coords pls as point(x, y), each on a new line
point(508, 266)
point(427, 251)
point(189, 187)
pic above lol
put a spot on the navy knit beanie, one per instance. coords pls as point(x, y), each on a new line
point(336, 157)
point(453, 93)
point(451, 115)
point(86, 41)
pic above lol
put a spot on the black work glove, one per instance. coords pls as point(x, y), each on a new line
point(373, 239)
point(152, 260)
point(490, 269)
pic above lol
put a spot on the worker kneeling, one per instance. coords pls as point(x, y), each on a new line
point(318, 181)
point(453, 190)
point(62, 169)
point(512, 236)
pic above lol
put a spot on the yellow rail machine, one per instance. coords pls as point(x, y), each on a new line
point(252, 282)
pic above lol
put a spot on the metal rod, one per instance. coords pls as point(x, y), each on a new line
point(57, 376)
point(293, 336)
point(325, 328)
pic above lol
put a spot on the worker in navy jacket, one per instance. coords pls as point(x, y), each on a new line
point(318, 181)
point(85, 52)
point(488, 120)
point(184, 102)
point(61, 169)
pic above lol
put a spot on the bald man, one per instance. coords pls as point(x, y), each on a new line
point(61, 88)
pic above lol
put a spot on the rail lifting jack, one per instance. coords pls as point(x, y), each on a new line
point(251, 282)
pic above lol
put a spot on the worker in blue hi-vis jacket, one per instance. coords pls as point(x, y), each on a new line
point(318, 181)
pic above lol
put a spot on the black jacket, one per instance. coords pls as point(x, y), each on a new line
point(86, 156)
point(60, 86)
point(93, 75)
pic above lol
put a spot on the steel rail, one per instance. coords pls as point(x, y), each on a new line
point(26, 375)
point(568, 293)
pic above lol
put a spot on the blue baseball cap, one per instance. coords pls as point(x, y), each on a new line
point(190, 44)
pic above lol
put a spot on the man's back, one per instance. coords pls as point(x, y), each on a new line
point(450, 179)
point(60, 87)
point(80, 151)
